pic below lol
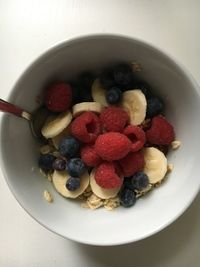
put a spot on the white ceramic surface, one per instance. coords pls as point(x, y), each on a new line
point(151, 214)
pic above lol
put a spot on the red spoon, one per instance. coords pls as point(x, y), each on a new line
point(17, 111)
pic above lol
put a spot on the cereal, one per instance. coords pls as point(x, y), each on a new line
point(46, 149)
point(94, 202)
point(48, 196)
point(170, 167)
point(175, 144)
point(112, 203)
point(144, 191)
point(136, 67)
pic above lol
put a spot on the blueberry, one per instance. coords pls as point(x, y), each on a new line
point(107, 79)
point(86, 80)
point(139, 180)
point(113, 95)
point(59, 164)
point(68, 147)
point(75, 167)
point(154, 107)
point(123, 75)
point(73, 183)
point(128, 183)
point(46, 161)
point(145, 88)
point(127, 197)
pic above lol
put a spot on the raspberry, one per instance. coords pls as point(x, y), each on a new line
point(161, 131)
point(58, 97)
point(112, 146)
point(107, 175)
point(136, 135)
point(114, 119)
point(86, 127)
point(132, 163)
point(89, 156)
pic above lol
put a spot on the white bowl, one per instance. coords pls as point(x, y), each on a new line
point(67, 218)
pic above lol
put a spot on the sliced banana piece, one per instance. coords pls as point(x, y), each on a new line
point(134, 102)
point(56, 139)
point(56, 124)
point(59, 180)
point(155, 164)
point(99, 191)
point(86, 106)
point(99, 93)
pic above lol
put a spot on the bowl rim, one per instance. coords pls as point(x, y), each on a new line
point(56, 47)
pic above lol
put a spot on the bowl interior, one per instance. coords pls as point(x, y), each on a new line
point(19, 150)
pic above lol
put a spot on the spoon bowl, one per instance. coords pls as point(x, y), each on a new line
point(36, 119)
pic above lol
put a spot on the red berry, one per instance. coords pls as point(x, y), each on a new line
point(89, 156)
point(107, 175)
point(161, 131)
point(132, 163)
point(112, 146)
point(86, 127)
point(136, 135)
point(58, 97)
point(114, 119)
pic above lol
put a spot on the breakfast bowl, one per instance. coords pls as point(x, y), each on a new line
point(19, 153)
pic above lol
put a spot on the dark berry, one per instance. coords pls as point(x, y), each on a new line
point(85, 95)
point(139, 181)
point(128, 183)
point(145, 88)
point(113, 95)
point(46, 161)
point(86, 79)
point(107, 79)
point(75, 167)
point(80, 93)
point(73, 183)
point(69, 147)
point(154, 107)
point(123, 75)
point(59, 164)
point(75, 91)
point(127, 198)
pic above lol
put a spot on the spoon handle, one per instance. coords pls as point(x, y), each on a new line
point(17, 111)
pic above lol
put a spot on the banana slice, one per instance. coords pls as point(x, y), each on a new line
point(134, 102)
point(155, 164)
point(99, 93)
point(99, 191)
point(56, 139)
point(86, 106)
point(54, 125)
point(59, 180)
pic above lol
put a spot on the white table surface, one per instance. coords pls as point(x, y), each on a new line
point(29, 27)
